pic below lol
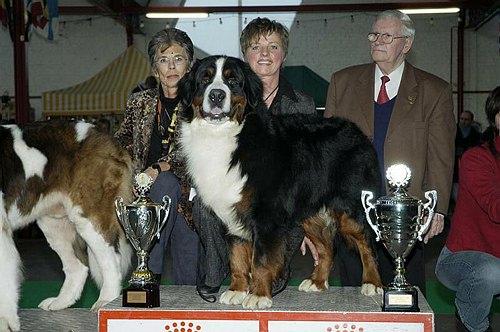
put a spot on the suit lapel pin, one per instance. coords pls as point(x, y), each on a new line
point(411, 99)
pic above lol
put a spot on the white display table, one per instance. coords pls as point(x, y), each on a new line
point(340, 309)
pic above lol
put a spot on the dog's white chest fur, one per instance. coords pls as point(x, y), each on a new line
point(208, 149)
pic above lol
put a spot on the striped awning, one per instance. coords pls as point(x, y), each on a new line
point(107, 92)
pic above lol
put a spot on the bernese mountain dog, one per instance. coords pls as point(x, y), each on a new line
point(65, 176)
point(263, 175)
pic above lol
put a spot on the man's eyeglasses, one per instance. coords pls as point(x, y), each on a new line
point(178, 60)
point(384, 37)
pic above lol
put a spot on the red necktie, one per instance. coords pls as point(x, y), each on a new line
point(382, 95)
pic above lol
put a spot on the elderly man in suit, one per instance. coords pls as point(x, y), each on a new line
point(408, 114)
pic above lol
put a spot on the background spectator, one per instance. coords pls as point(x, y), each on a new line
point(469, 263)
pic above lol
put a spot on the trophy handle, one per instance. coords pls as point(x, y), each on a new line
point(431, 196)
point(166, 208)
point(366, 197)
point(122, 214)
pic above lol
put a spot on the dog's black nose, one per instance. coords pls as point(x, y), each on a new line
point(216, 96)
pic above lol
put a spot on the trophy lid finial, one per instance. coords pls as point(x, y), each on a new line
point(143, 183)
point(398, 175)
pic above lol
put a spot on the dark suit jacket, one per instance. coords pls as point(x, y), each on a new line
point(421, 130)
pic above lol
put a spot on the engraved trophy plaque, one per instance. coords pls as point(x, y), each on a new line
point(399, 224)
point(142, 221)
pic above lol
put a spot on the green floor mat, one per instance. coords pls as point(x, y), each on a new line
point(34, 292)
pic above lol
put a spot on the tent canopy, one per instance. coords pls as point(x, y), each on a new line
point(105, 93)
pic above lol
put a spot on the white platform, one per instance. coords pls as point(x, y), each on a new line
point(340, 309)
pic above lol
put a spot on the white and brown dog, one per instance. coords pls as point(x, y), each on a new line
point(65, 176)
point(264, 175)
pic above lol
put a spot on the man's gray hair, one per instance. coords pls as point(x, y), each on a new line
point(407, 27)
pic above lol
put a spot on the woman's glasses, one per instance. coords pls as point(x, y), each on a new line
point(177, 60)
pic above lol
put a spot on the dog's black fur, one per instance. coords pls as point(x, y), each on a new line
point(293, 170)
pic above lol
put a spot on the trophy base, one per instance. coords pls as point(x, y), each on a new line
point(400, 300)
point(147, 296)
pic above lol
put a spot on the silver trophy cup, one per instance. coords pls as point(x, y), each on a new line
point(142, 221)
point(399, 224)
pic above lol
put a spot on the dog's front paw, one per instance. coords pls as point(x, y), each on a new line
point(257, 302)
point(54, 303)
point(10, 324)
point(233, 297)
point(371, 289)
point(309, 286)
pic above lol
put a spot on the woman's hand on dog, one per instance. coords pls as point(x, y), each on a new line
point(312, 248)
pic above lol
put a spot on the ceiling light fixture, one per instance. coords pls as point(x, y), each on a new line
point(177, 15)
point(450, 10)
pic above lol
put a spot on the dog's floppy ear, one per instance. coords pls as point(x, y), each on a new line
point(187, 89)
point(253, 88)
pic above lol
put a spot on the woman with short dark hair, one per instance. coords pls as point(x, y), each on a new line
point(149, 133)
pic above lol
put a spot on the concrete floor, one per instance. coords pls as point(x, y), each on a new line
point(41, 263)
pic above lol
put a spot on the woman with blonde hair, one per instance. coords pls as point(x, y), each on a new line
point(264, 44)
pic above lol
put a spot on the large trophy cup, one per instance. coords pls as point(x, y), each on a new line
point(399, 224)
point(142, 221)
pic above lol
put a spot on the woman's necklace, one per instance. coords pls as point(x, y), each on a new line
point(166, 112)
point(272, 92)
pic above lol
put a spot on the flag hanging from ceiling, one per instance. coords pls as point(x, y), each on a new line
point(43, 15)
point(6, 16)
